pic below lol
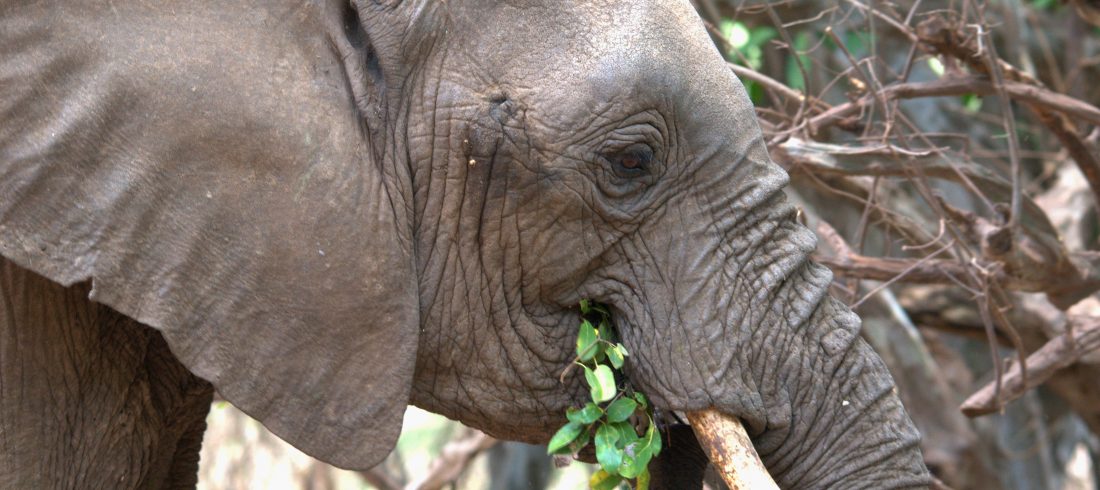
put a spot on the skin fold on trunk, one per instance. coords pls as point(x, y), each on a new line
point(730, 450)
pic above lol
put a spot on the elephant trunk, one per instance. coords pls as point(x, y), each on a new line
point(833, 418)
point(826, 413)
point(741, 322)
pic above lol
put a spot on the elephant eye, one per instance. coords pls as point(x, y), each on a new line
point(633, 161)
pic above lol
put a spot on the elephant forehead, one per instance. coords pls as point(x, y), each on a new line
point(570, 61)
point(567, 41)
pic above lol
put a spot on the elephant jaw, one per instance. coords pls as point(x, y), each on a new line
point(730, 450)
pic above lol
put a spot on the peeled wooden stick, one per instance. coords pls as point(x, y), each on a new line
point(730, 450)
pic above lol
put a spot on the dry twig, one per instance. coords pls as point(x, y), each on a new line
point(1059, 353)
point(453, 460)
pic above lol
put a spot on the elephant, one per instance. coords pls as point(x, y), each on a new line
point(329, 210)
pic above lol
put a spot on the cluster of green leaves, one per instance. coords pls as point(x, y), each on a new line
point(746, 41)
point(746, 48)
point(623, 454)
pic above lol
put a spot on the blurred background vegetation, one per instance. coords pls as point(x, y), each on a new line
point(238, 453)
point(946, 152)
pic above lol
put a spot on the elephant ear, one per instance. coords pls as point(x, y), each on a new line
point(205, 165)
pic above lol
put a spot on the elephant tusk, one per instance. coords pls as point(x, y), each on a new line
point(730, 450)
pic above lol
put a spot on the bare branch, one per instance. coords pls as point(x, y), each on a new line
point(454, 459)
point(1058, 353)
point(955, 86)
point(378, 478)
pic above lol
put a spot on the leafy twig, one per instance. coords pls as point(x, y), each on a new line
point(623, 454)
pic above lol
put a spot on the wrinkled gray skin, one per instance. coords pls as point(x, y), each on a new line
point(329, 212)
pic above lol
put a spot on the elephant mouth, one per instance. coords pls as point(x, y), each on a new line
point(729, 449)
point(722, 439)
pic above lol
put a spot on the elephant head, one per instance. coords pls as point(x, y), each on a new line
point(331, 211)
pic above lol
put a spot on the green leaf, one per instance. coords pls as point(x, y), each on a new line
point(604, 329)
point(635, 459)
point(615, 356)
point(972, 103)
point(564, 436)
point(737, 34)
point(627, 434)
point(636, 455)
point(631, 465)
point(587, 415)
point(585, 308)
point(654, 437)
point(620, 409)
point(579, 443)
point(602, 480)
point(641, 400)
point(608, 453)
point(593, 383)
point(601, 382)
point(586, 341)
point(936, 66)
